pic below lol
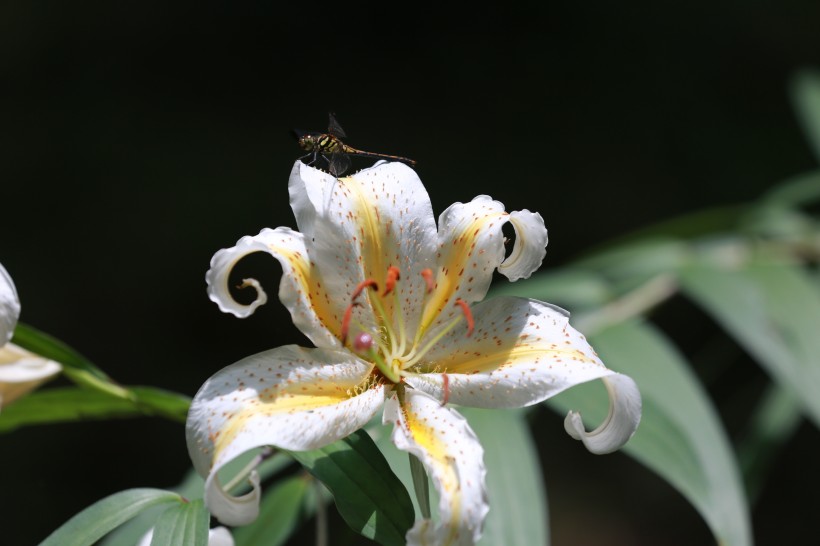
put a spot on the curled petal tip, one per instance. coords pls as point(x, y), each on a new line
point(530, 245)
point(217, 276)
point(621, 423)
point(229, 509)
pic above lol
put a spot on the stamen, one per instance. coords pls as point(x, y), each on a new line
point(427, 273)
point(465, 308)
point(388, 371)
point(446, 385)
point(401, 327)
point(361, 286)
point(418, 353)
point(393, 275)
point(266, 453)
point(346, 321)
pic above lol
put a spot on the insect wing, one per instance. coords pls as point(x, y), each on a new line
point(339, 164)
point(334, 128)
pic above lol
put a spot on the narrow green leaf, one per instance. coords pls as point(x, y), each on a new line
point(421, 485)
point(798, 191)
point(191, 487)
point(515, 487)
point(772, 310)
point(773, 423)
point(129, 533)
point(85, 528)
point(61, 405)
point(370, 498)
point(50, 347)
point(575, 288)
point(185, 523)
point(66, 404)
point(805, 94)
point(680, 436)
point(153, 401)
point(281, 512)
point(149, 400)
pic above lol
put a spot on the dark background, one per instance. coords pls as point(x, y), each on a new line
point(136, 139)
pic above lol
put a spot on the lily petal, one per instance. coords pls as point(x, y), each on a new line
point(231, 509)
point(358, 226)
point(289, 397)
point(315, 312)
point(621, 423)
point(9, 306)
point(22, 371)
point(521, 352)
point(471, 248)
point(530, 245)
point(446, 445)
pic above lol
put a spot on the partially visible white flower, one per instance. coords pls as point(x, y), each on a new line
point(9, 306)
point(20, 371)
point(218, 536)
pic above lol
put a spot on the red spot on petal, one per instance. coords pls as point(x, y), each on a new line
point(427, 273)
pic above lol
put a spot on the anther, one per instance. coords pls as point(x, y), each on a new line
point(427, 273)
point(468, 315)
point(393, 275)
point(361, 286)
point(446, 386)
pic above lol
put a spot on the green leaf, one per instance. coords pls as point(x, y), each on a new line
point(805, 94)
point(185, 523)
point(66, 404)
point(191, 487)
point(635, 262)
point(75, 366)
point(129, 533)
point(680, 436)
point(773, 423)
point(574, 288)
point(798, 191)
point(515, 487)
point(421, 485)
point(101, 517)
point(773, 311)
point(63, 405)
point(153, 401)
point(281, 512)
point(148, 400)
point(370, 498)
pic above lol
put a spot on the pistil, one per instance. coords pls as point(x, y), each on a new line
point(388, 350)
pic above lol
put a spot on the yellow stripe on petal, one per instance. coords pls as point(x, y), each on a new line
point(449, 450)
point(471, 247)
point(521, 353)
point(289, 397)
point(310, 294)
point(356, 227)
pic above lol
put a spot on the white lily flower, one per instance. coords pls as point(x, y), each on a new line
point(391, 302)
point(20, 371)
